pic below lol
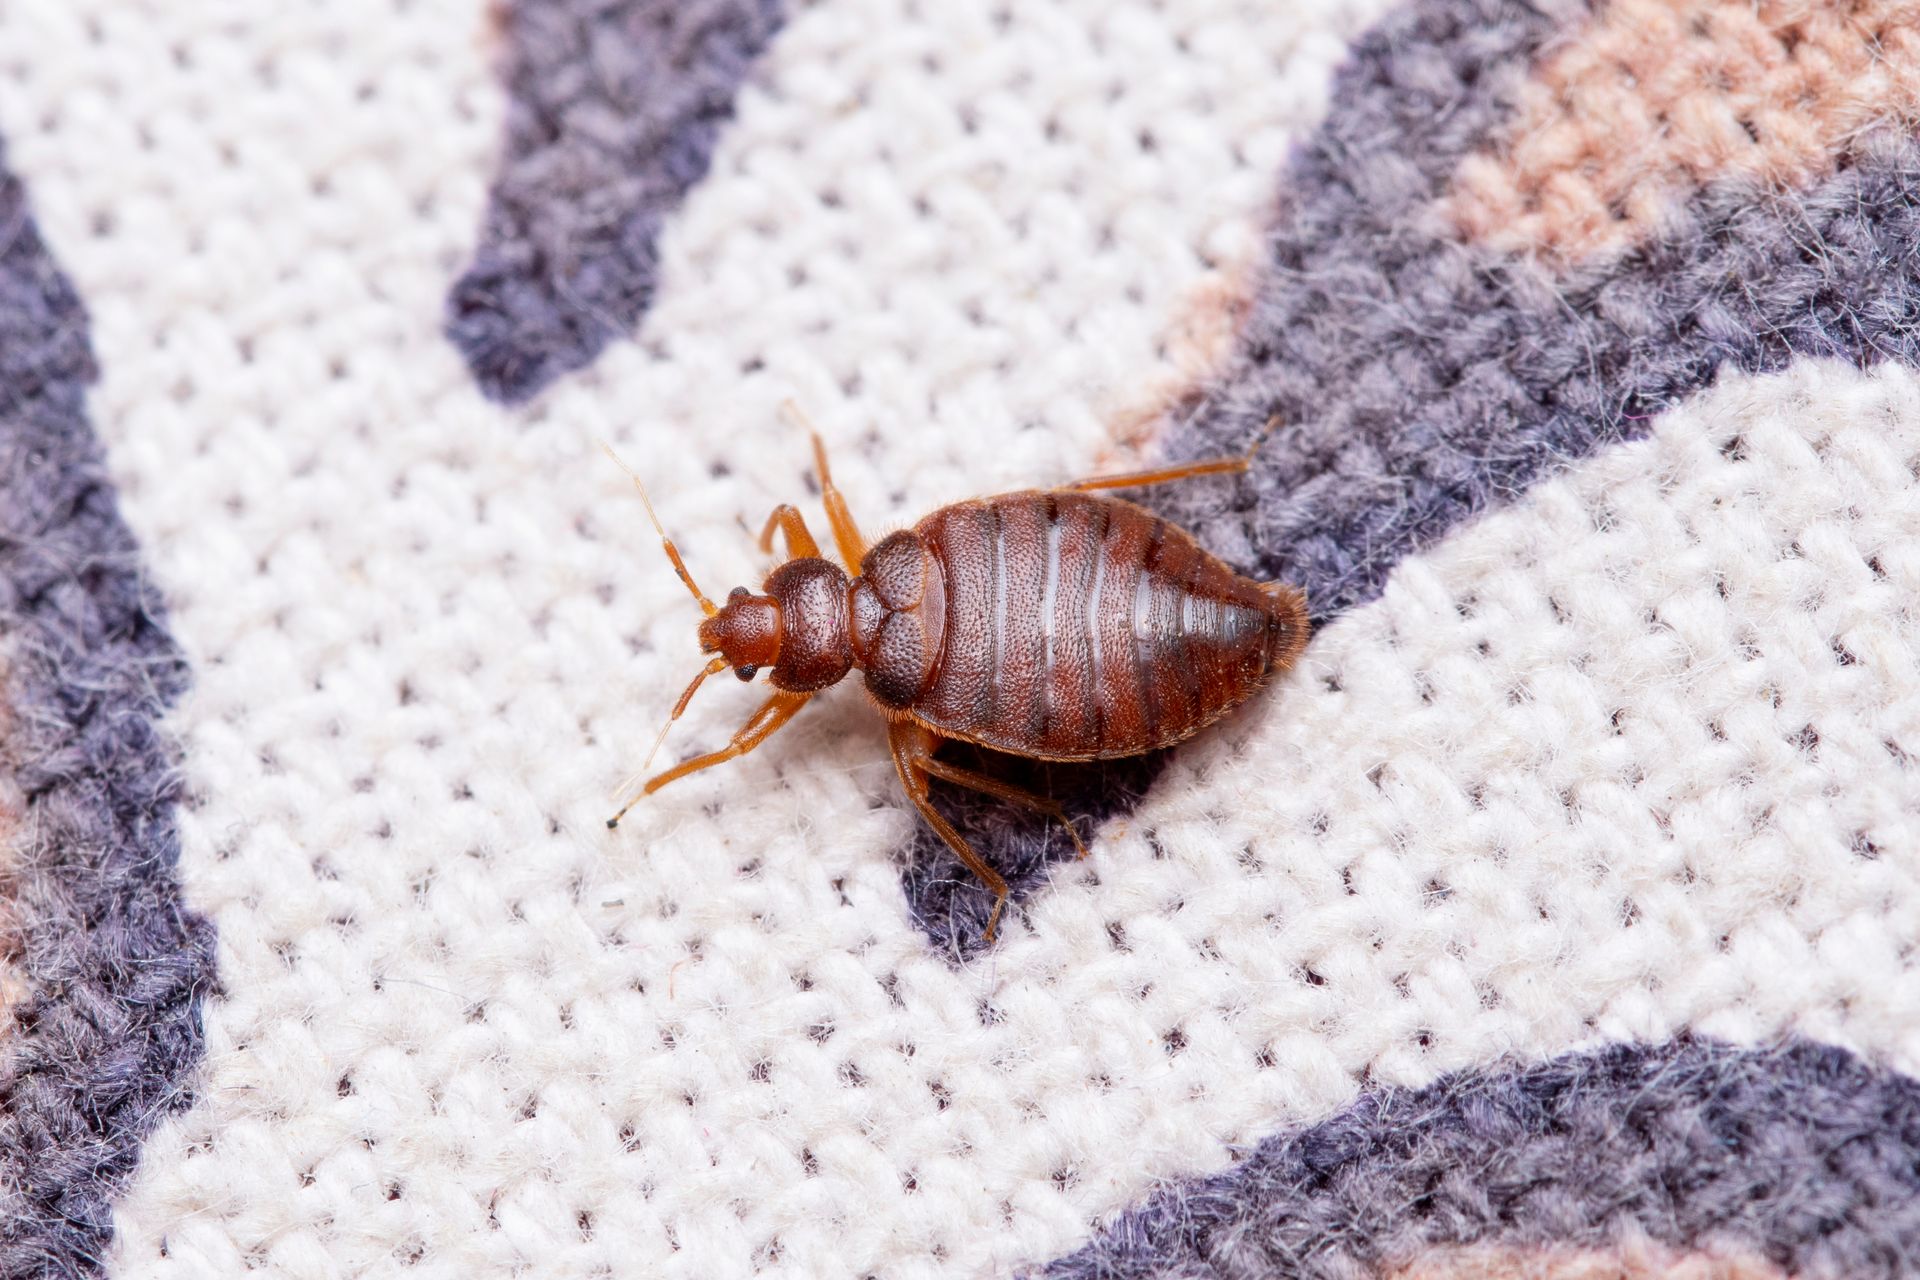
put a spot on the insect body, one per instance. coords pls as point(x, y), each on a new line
point(1060, 624)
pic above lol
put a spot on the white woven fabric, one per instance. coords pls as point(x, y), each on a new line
point(1555, 786)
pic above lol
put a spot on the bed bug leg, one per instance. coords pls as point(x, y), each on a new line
point(773, 713)
point(912, 752)
point(787, 519)
point(846, 534)
point(1004, 791)
point(1179, 471)
point(1160, 475)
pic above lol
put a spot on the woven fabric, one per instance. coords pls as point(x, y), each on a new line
point(1579, 845)
point(104, 965)
point(1689, 1159)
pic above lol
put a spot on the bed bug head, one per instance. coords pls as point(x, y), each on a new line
point(745, 632)
point(798, 627)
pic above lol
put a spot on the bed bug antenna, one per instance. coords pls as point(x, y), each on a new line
point(791, 411)
point(673, 553)
point(713, 668)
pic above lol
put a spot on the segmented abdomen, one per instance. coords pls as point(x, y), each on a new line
point(1082, 627)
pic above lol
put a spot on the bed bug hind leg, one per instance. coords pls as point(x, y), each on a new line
point(1179, 471)
point(1004, 791)
point(912, 748)
point(1141, 479)
point(773, 713)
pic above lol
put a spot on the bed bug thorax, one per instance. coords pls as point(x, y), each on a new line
point(1059, 624)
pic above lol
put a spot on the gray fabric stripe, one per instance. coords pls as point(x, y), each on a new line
point(115, 961)
point(615, 108)
point(1802, 1153)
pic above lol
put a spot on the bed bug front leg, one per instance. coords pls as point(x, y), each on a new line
point(787, 519)
point(773, 713)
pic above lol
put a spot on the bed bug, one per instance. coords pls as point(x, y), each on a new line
point(1059, 624)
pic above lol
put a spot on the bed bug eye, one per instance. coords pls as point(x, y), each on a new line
point(747, 672)
point(738, 593)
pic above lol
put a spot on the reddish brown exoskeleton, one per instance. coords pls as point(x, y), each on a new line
point(1050, 623)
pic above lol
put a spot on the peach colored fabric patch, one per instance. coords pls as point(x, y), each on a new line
point(1659, 97)
point(1633, 1260)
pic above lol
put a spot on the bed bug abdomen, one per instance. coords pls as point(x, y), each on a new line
point(1083, 627)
